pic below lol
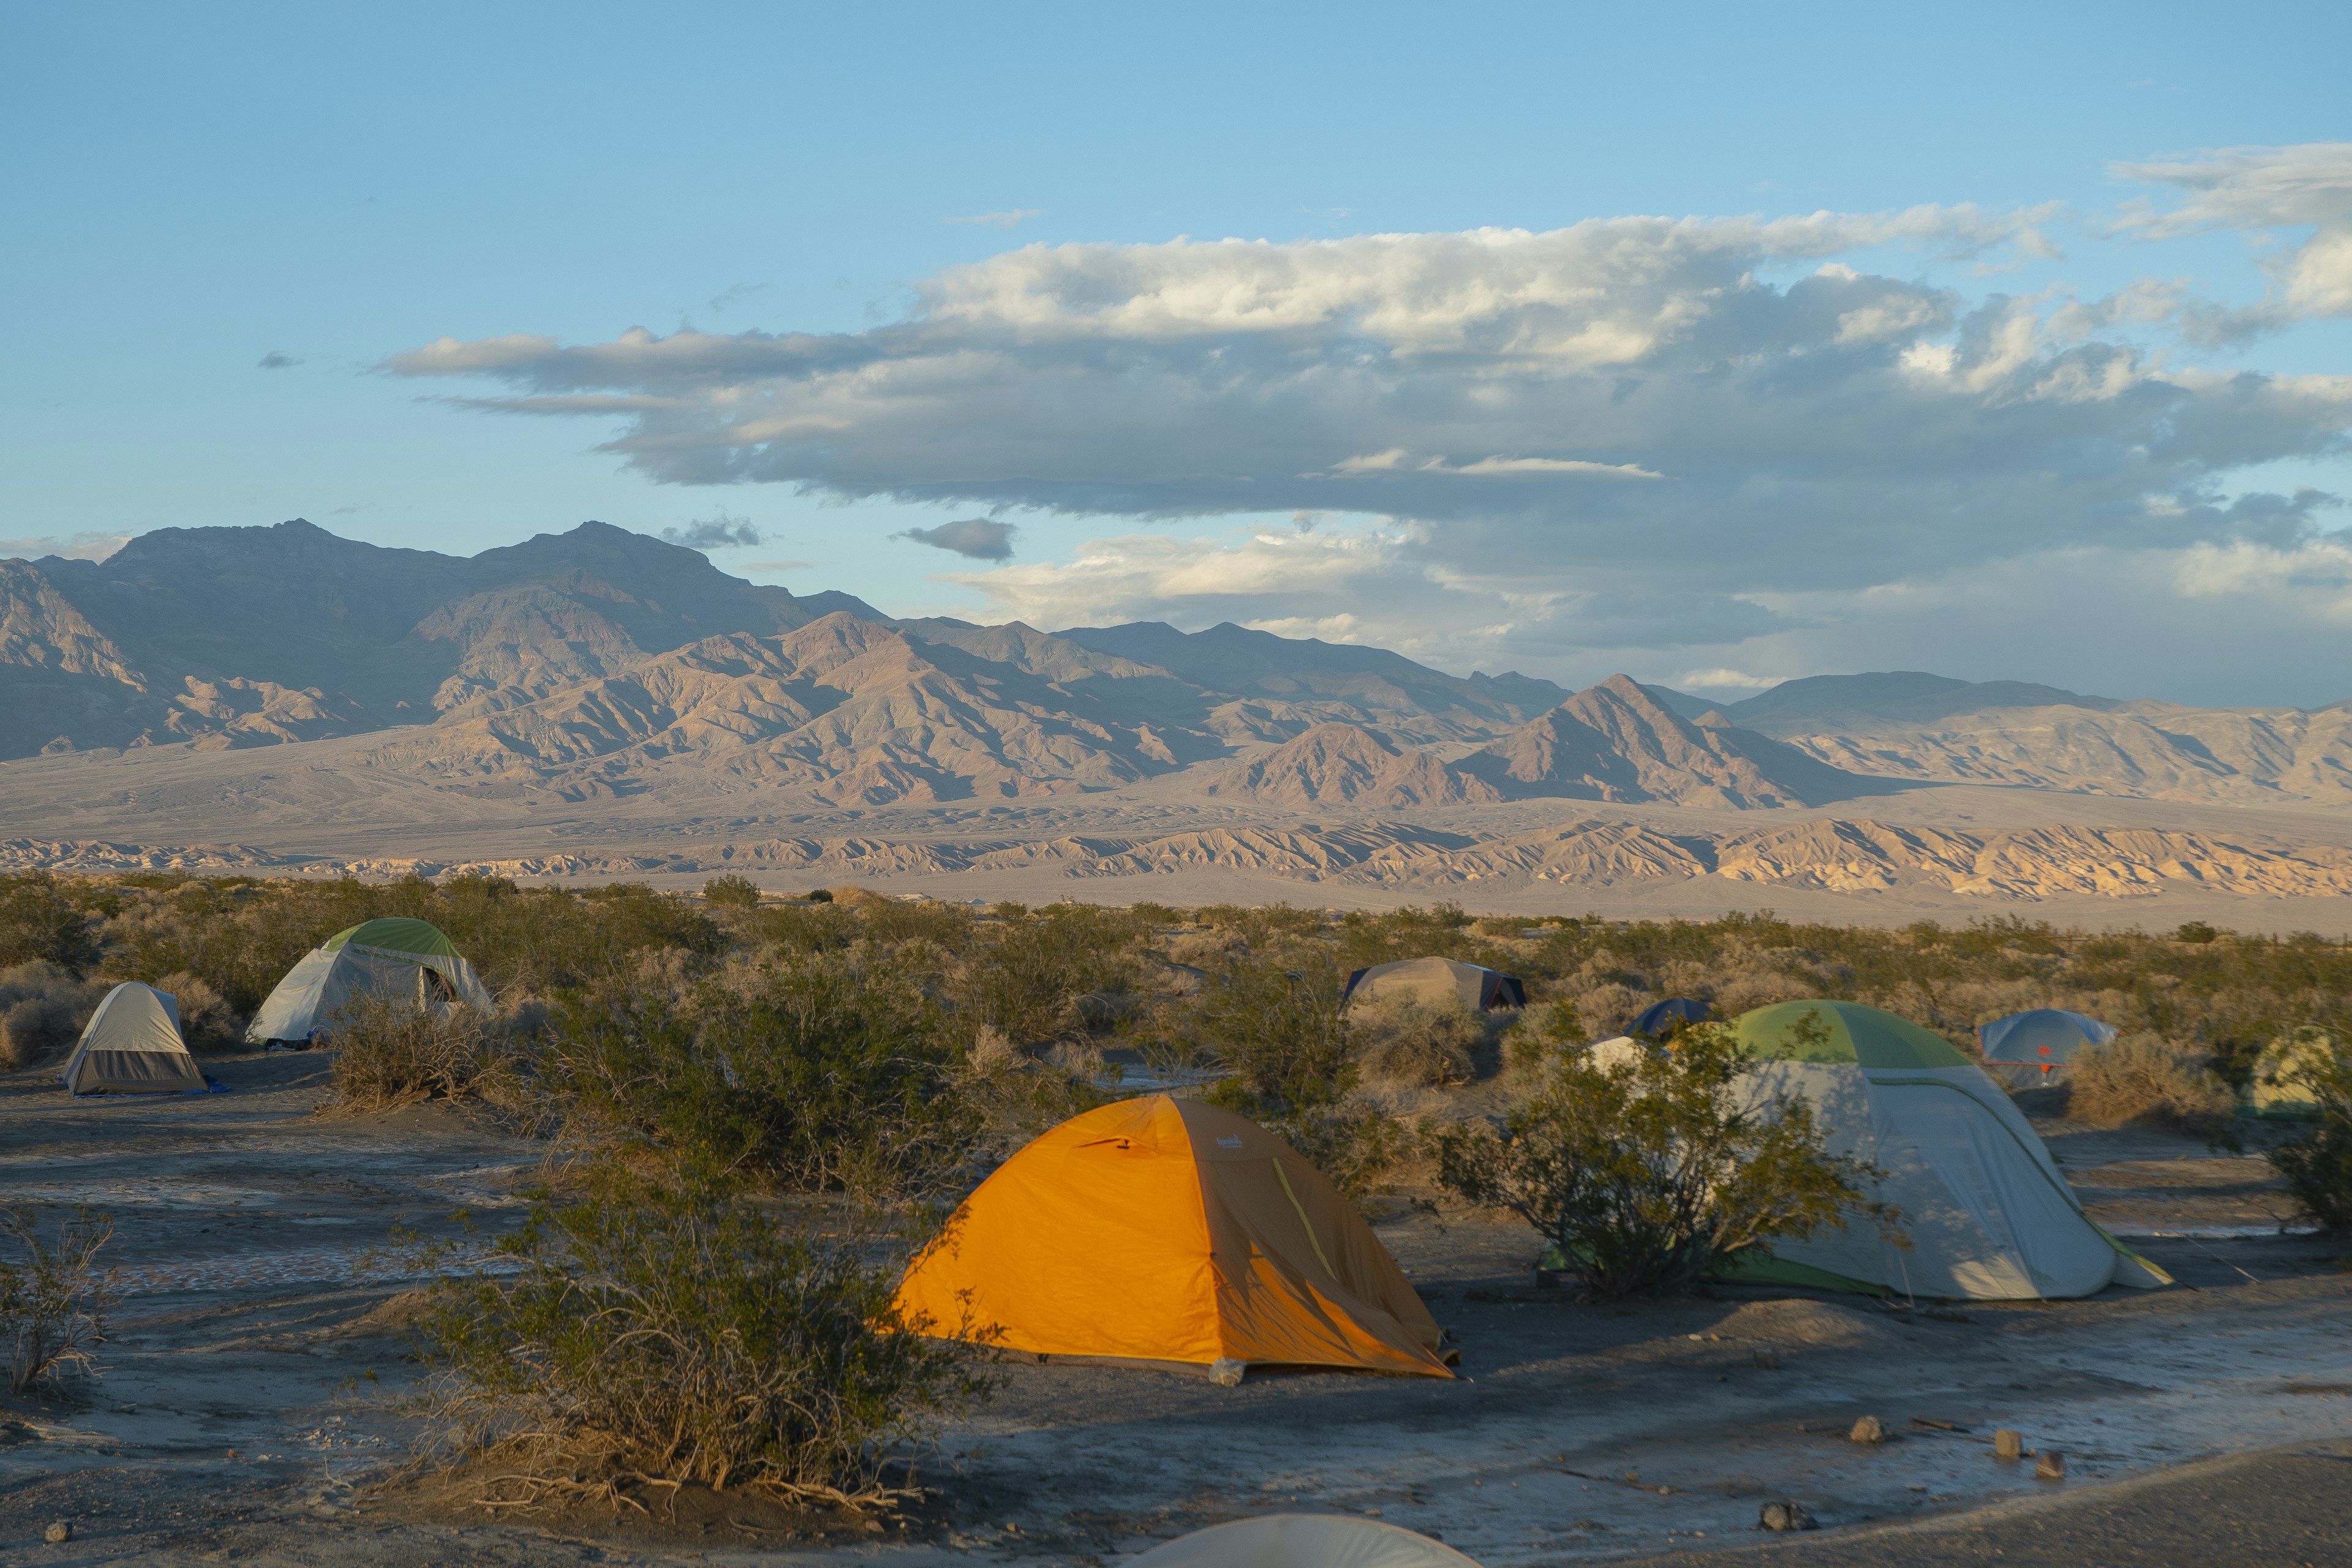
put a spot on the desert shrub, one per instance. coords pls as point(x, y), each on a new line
point(207, 1023)
point(2138, 1078)
point(819, 1072)
point(2195, 931)
point(818, 895)
point(1610, 1007)
point(42, 1010)
point(653, 1333)
point(1276, 1025)
point(53, 1299)
point(389, 1051)
point(1652, 1174)
point(2316, 1161)
point(1026, 979)
point(731, 892)
point(1408, 1042)
point(38, 923)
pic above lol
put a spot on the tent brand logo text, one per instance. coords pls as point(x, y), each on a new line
point(1229, 1143)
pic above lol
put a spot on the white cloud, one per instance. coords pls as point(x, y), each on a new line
point(2257, 190)
point(1677, 435)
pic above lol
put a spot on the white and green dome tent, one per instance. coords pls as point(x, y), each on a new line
point(131, 1044)
point(394, 957)
point(1989, 1215)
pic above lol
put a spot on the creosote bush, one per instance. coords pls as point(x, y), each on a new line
point(2139, 1080)
point(1406, 1041)
point(389, 1051)
point(53, 1299)
point(2316, 1161)
point(42, 1010)
point(818, 1072)
point(1651, 1174)
point(657, 1333)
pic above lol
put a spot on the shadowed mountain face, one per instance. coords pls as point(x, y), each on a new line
point(602, 661)
point(1617, 742)
point(251, 635)
point(1279, 686)
point(1335, 763)
point(1896, 695)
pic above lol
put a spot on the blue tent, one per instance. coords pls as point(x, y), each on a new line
point(1668, 1015)
point(2046, 1037)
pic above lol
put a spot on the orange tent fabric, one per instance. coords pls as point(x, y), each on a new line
point(1164, 1229)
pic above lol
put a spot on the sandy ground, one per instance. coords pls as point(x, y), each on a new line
point(241, 1416)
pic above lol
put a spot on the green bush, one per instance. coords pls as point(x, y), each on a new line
point(1653, 1173)
point(655, 1334)
point(818, 1071)
point(388, 1051)
point(43, 1010)
point(53, 1300)
point(731, 892)
point(2138, 1079)
point(38, 923)
point(2316, 1161)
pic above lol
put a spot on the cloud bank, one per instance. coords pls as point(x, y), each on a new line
point(720, 532)
point(976, 539)
point(1630, 434)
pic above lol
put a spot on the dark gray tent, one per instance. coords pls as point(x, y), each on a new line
point(133, 1045)
point(1437, 980)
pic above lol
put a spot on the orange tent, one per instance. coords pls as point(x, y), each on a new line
point(1167, 1230)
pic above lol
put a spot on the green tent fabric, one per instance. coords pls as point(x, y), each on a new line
point(395, 933)
point(393, 957)
point(1989, 1215)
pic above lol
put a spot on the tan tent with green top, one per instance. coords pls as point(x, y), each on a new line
point(1989, 1215)
point(394, 957)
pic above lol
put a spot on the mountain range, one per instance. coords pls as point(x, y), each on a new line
point(601, 662)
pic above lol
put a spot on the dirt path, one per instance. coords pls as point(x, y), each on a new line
point(241, 1412)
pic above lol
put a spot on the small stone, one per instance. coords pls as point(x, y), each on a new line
point(2007, 1445)
point(2050, 1465)
point(1869, 1429)
point(58, 1532)
point(1769, 1359)
point(1226, 1373)
point(1777, 1516)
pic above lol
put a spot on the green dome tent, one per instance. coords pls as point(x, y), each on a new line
point(1989, 1215)
point(393, 957)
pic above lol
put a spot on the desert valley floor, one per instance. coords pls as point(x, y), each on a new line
point(247, 1410)
point(1943, 851)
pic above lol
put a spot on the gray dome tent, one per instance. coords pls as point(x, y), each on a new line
point(1302, 1540)
point(131, 1044)
point(398, 958)
point(1437, 980)
point(2028, 1046)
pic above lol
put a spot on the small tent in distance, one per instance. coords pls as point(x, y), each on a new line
point(2027, 1048)
point(131, 1044)
point(394, 958)
point(1169, 1232)
point(1302, 1540)
point(1437, 980)
point(1987, 1214)
point(1663, 1018)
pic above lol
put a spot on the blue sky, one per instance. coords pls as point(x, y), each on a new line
point(194, 192)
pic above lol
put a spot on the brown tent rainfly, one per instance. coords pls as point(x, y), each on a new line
point(1437, 980)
